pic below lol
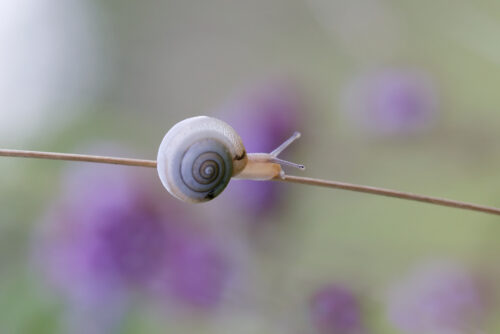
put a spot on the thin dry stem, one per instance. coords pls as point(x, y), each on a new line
point(78, 157)
point(390, 193)
point(285, 178)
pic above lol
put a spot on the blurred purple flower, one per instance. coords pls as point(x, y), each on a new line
point(335, 310)
point(392, 102)
point(110, 234)
point(437, 298)
point(197, 269)
point(106, 234)
point(264, 118)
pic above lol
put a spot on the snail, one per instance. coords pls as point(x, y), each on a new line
point(198, 157)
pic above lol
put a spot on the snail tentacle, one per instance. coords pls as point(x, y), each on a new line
point(267, 166)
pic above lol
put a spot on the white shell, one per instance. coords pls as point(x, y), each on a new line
point(181, 137)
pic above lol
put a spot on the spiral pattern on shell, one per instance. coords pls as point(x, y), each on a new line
point(198, 157)
point(206, 168)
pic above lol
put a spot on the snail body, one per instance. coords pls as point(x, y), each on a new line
point(198, 157)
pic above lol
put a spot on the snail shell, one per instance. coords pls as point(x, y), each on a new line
point(197, 158)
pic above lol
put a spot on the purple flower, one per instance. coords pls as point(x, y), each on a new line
point(198, 270)
point(392, 102)
point(110, 234)
point(335, 310)
point(437, 298)
point(264, 119)
point(106, 234)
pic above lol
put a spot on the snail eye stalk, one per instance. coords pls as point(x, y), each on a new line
point(274, 154)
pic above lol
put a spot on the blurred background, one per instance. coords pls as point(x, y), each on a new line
point(398, 94)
